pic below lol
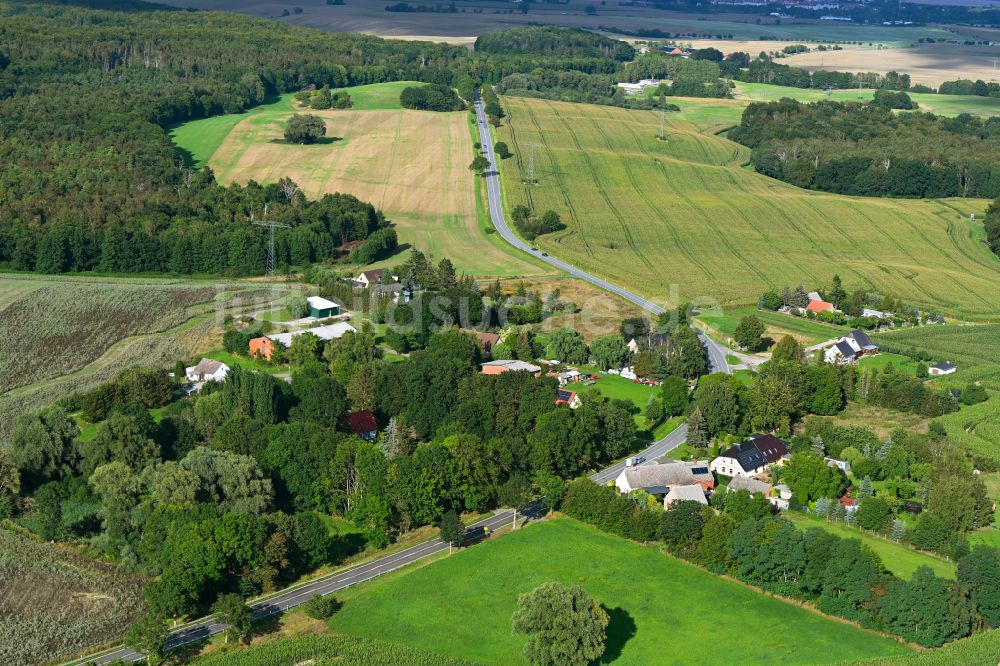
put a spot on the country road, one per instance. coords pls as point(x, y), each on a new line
point(716, 354)
point(292, 597)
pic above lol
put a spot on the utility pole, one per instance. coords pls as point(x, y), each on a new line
point(270, 226)
point(995, 68)
point(531, 163)
point(663, 123)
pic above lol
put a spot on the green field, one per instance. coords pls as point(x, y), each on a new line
point(897, 558)
point(980, 650)
point(686, 212)
point(806, 331)
point(461, 606)
point(880, 361)
point(976, 352)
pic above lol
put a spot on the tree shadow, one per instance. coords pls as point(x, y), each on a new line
point(621, 628)
point(322, 141)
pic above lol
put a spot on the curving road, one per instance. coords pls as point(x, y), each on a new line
point(289, 598)
point(716, 355)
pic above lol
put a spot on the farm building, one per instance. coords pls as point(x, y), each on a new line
point(684, 494)
point(207, 370)
point(939, 369)
point(363, 424)
point(329, 332)
point(261, 347)
point(751, 457)
point(658, 479)
point(321, 308)
point(500, 367)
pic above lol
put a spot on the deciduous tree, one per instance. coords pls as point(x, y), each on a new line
point(565, 625)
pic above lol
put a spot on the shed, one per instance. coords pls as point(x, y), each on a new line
point(321, 308)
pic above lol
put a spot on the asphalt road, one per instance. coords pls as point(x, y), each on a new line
point(716, 355)
point(282, 601)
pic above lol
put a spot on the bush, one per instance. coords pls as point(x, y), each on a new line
point(304, 128)
point(319, 607)
point(432, 97)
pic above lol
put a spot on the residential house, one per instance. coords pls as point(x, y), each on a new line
point(750, 485)
point(751, 457)
point(487, 341)
point(878, 314)
point(500, 367)
point(366, 279)
point(820, 306)
point(261, 347)
point(842, 465)
point(653, 340)
point(568, 398)
point(848, 349)
point(321, 308)
point(395, 291)
point(363, 424)
point(328, 332)
point(684, 494)
point(657, 479)
point(939, 369)
point(207, 370)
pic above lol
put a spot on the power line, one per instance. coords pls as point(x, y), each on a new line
point(272, 263)
point(531, 163)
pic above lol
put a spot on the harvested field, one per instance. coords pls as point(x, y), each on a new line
point(649, 214)
point(411, 164)
point(63, 334)
point(54, 603)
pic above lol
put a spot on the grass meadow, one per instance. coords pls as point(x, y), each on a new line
point(686, 212)
point(980, 650)
point(663, 611)
point(777, 325)
point(897, 558)
point(411, 164)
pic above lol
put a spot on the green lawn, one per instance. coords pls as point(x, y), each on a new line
point(244, 362)
point(461, 606)
point(617, 388)
point(379, 96)
point(281, 314)
point(807, 331)
point(899, 559)
point(898, 361)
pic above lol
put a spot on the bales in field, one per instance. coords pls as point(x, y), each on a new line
point(687, 212)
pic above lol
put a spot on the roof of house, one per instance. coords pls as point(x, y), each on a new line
point(685, 493)
point(660, 476)
point(394, 288)
point(758, 451)
point(328, 332)
point(207, 366)
point(750, 485)
point(868, 312)
point(487, 340)
point(814, 296)
point(362, 422)
point(514, 365)
point(944, 366)
point(564, 396)
point(569, 374)
point(373, 275)
point(862, 339)
point(845, 349)
point(819, 306)
point(321, 303)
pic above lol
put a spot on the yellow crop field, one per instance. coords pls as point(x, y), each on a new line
point(648, 214)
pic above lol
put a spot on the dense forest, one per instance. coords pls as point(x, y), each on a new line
point(91, 180)
point(866, 149)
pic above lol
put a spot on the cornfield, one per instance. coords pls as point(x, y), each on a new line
point(331, 651)
point(54, 603)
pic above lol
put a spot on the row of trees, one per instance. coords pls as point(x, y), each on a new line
point(840, 576)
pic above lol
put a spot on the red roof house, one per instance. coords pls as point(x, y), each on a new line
point(820, 306)
point(363, 424)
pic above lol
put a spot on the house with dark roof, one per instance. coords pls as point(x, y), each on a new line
point(848, 349)
point(658, 479)
point(942, 369)
point(651, 341)
point(751, 457)
point(566, 398)
point(363, 424)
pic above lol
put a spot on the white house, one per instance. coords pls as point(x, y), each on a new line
point(868, 312)
point(329, 332)
point(207, 370)
point(851, 347)
point(842, 465)
point(942, 369)
point(658, 479)
point(684, 493)
point(366, 279)
point(750, 458)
